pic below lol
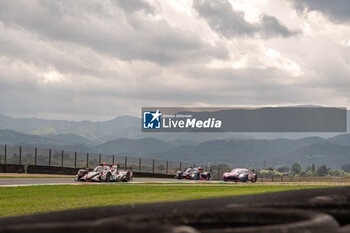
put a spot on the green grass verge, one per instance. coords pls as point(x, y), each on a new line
point(45, 198)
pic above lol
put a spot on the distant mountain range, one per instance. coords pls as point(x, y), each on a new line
point(95, 131)
point(123, 127)
point(333, 151)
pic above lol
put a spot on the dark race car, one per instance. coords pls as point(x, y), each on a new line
point(240, 175)
point(106, 173)
point(193, 174)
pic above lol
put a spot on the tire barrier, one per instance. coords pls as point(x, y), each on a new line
point(308, 210)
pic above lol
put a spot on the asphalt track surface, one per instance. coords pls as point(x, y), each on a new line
point(56, 181)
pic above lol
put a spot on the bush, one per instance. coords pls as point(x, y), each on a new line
point(269, 174)
point(336, 172)
point(283, 169)
point(295, 169)
point(301, 174)
point(310, 173)
point(266, 173)
point(322, 170)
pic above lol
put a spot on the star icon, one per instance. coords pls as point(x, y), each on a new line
point(156, 115)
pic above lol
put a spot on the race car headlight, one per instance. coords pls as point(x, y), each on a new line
point(192, 175)
point(241, 175)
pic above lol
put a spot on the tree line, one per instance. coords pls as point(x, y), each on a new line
point(295, 170)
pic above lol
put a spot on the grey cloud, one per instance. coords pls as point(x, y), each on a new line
point(115, 59)
point(132, 6)
point(103, 29)
point(270, 27)
point(338, 11)
point(228, 22)
point(203, 85)
point(222, 18)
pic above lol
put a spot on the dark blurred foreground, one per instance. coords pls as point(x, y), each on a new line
point(308, 210)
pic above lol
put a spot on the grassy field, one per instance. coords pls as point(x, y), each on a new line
point(45, 198)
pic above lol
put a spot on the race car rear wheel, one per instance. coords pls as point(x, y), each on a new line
point(128, 177)
point(108, 177)
point(254, 180)
point(245, 179)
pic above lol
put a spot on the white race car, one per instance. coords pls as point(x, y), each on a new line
point(106, 173)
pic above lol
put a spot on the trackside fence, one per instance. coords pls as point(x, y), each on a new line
point(22, 155)
point(324, 179)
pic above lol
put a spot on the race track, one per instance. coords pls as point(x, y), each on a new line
point(53, 181)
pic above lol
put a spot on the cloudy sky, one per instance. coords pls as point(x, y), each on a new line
point(95, 60)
